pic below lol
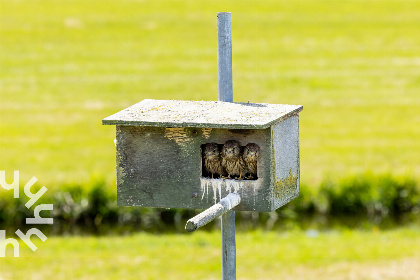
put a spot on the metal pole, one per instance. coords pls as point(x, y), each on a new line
point(228, 246)
point(224, 57)
point(224, 61)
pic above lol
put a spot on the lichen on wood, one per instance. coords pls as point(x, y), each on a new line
point(284, 185)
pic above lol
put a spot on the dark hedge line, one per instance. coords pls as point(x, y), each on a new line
point(362, 201)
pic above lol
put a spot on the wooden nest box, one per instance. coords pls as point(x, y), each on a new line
point(160, 153)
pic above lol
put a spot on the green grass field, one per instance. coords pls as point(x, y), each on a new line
point(65, 65)
point(260, 255)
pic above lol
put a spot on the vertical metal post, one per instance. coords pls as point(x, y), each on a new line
point(228, 246)
point(224, 61)
point(224, 57)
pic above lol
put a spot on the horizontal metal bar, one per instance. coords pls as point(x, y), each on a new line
point(225, 204)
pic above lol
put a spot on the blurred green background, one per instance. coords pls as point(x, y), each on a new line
point(353, 65)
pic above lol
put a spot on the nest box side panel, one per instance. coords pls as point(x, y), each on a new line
point(286, 161)
point(157, 166)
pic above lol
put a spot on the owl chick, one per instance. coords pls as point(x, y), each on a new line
point(251, 154)
point(232, 160)
point(212, 161)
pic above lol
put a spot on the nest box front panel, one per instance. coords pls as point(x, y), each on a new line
point(152, 169)
point(163, 167)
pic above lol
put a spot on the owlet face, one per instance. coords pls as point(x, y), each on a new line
point(211, 151)
point(231, 149)
point(252, 151)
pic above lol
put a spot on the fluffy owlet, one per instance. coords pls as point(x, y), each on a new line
point(212, 160)
point(232, 160)
point(251, 154)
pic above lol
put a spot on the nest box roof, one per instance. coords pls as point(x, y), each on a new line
point(211, 114)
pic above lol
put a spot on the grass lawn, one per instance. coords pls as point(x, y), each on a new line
point(260, 255)
point(65, 65)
